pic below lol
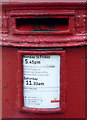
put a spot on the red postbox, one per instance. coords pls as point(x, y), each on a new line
point(43, 59)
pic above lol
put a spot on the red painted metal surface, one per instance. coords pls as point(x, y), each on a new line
point(75, 88)
point(85, 81)
point(17, 37)
point(73, 35)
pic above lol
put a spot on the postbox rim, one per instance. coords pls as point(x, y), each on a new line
point(69, 4)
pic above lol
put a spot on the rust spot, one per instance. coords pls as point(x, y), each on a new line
point(6, 86)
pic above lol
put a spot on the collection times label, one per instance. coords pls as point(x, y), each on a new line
point(41, 81)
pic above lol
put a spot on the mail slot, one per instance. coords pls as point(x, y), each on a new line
point(42, 24)
point(43, 59)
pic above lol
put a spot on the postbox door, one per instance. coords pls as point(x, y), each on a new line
point(41, 81)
